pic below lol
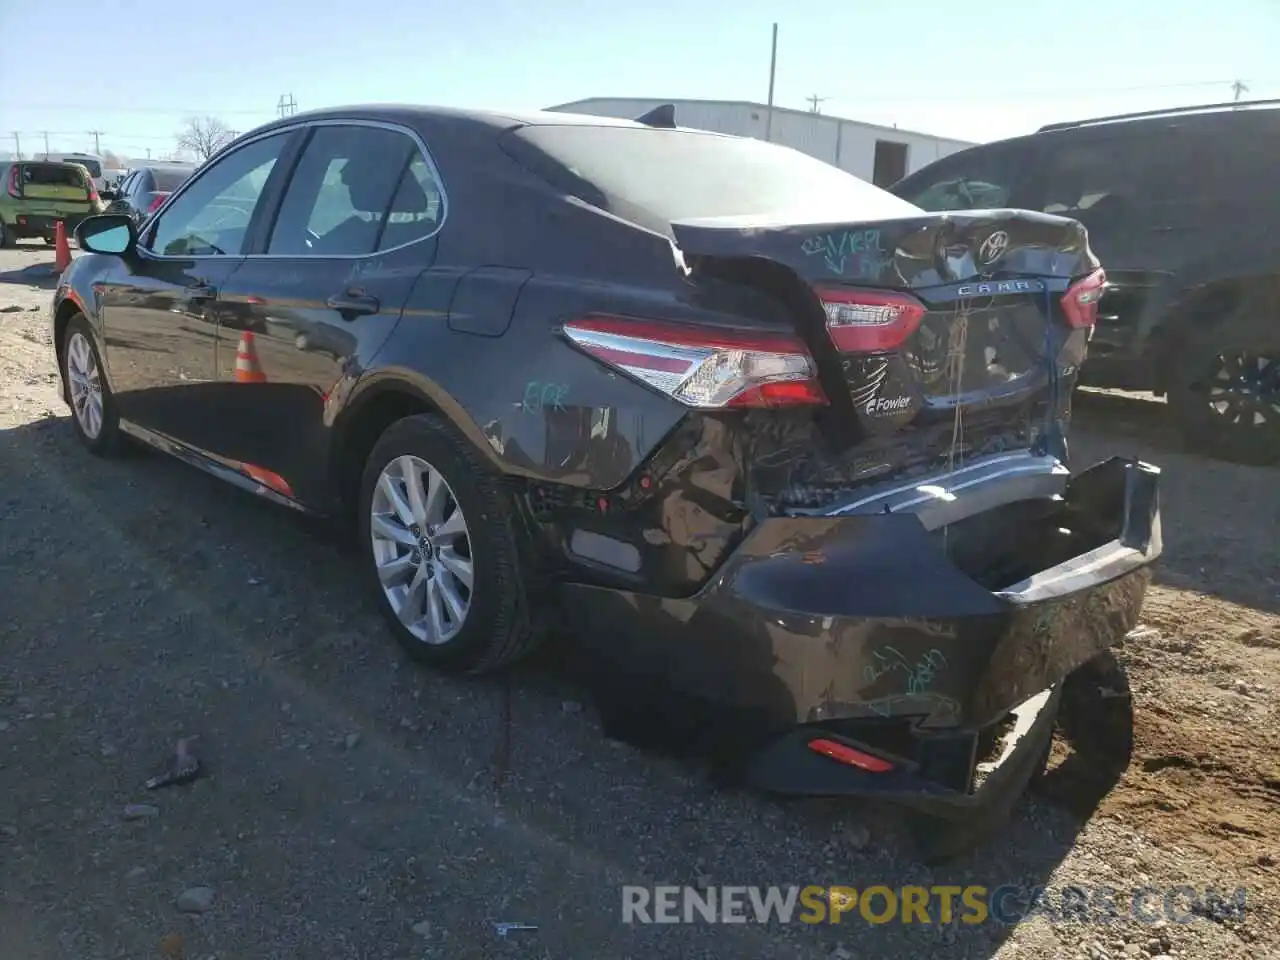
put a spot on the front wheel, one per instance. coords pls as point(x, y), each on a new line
point(92, 405)
point(441, 552)
point(1227, 398)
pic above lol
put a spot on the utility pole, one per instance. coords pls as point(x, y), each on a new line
point(45, 134)
point(286, 105)
point(773, 68)
point(1239, 87)
point(814, 101)
point(97, 146)
point(17, 144)
point(148, 153)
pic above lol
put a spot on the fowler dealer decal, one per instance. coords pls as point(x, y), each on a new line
point(880, 405)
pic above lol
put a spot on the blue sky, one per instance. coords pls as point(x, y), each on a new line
point(977, 71)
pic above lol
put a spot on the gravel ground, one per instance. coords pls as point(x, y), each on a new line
point(356, 806)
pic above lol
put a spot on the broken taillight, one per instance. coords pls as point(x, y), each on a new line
point(869, 321)
point(704, 367)
point(1080, 302)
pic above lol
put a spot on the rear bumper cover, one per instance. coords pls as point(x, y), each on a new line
point(860, 614)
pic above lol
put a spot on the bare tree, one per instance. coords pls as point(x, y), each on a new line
point(204, 136)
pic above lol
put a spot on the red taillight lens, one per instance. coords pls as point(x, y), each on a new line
point(708, 368)
point(1080, 302)
point(869, 321)
point(846, 754)
point(158, 199)
point(13, 188)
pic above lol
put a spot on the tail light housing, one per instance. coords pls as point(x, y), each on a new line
point(708, 368)
point(1080, 302)
point(860, 320)
point(13, 188)
point(158, 199)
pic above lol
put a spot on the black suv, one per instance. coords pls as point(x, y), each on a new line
point(1181, 208)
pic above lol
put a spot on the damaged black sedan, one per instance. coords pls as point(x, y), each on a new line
point(774, 441)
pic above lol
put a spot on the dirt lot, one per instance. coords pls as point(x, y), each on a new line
point(356, 806)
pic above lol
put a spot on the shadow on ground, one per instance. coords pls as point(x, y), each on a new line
point(1215, 513)
point(235, 574)
point(42, 275)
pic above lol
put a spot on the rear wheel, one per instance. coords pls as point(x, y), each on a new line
point(6, 236)
point(1227, 396)
point(441, 552)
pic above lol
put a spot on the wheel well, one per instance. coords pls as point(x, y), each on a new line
point(1208, 305)
point(359, 436)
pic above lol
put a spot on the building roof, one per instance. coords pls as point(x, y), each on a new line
point(754, 106)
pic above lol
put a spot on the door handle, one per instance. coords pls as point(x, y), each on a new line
point(353, 303)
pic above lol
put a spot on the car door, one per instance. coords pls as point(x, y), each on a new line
point(159, 308)
point(313, 303)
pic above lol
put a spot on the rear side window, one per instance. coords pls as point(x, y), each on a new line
point(657, 176)
point(355, 190)
point(52, 175)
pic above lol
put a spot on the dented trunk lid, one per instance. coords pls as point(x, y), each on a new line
point(991, 344)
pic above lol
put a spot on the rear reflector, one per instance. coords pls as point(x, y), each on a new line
point(848, 755)
point(704, 367)
point(869, 321)
point(1080, 302)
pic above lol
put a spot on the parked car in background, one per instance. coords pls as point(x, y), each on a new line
point(1182, 208)
point(720, 404)
point(145, 188)
point(36, 194)
point(90, 161)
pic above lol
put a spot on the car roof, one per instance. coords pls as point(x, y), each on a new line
point(414, 114)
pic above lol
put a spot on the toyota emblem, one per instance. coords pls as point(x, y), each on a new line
point(993, 248)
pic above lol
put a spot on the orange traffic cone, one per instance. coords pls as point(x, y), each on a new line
point(61, 249)
point(248, 370)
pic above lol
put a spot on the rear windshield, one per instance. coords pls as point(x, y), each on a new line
point(686, 174)
point(52, 175)
point(93, 166)
point(168, 181)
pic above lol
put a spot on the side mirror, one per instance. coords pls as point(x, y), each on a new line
point(110, 233)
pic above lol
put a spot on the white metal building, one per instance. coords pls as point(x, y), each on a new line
point(881, 155)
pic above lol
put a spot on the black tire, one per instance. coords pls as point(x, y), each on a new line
point(1204, 429)
point(108, 441)
point(1096, 715)
point(497, 629)
point(7, 238)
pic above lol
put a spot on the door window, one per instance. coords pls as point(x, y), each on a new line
point(975, 180)
point(356, 189)
point(1093, 182)
point(211, 218)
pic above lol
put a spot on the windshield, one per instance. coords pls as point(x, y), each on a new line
point(168, 181)
point(689, 174)
point(52, 175)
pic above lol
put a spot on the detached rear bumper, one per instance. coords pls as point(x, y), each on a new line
point(887, 619)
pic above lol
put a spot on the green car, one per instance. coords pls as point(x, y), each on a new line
point(36, 194)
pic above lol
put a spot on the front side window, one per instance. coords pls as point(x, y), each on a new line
point(212, 217)
point(356, 189)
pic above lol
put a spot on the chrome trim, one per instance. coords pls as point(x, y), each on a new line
point(950, 496)
point(289, 129)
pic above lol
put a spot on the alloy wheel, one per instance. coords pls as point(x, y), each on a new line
point(85, 382)
point(1244, 390)
point(421, 549)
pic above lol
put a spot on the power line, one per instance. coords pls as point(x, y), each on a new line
point(286, 105)
point(814, 101)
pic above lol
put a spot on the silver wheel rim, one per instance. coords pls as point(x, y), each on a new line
point(86, 385)
point(421, 549)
